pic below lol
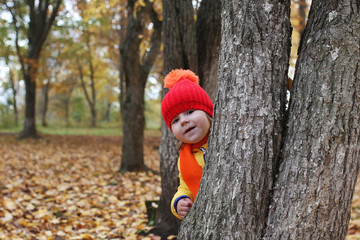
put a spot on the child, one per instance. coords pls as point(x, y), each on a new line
point(187, 111)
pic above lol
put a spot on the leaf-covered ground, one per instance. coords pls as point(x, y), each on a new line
point(67, 187)
point(354, 225)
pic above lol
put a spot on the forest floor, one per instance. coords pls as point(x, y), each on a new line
point(67, 187)
point(62, 187)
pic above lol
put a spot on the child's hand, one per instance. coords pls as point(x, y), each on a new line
point(183, 206)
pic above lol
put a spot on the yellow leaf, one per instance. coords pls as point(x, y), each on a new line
point(68, 228)
point(86, 237)
point(113, 199)
point(7, 217)
point(9, 204)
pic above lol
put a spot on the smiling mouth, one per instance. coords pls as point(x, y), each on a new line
point(188, 130)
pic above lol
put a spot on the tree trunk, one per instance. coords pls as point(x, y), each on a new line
point(93, 116)
point(181, 51)
point(244, 145)
point(45, 90)
point(108, 112)
point(208, 31)
point(92, 85)
point(313, 192)
point(136, 70)
point(179, 34)
point(67, 106)
point(30, 100)
point(122, 76)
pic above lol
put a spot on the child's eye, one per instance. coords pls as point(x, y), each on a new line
point(190, 112)
point(175, 121)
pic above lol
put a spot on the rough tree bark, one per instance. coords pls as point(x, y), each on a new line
point(246, 133)
point(208, 31)
point(313, 192)
point(41, 17)
point(136, 70)
point(181, 51)
point(245, 193)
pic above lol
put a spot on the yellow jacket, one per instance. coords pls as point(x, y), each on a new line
point(183, 190)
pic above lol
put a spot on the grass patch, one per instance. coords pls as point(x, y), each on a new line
point(98, 131)
point(11, 130)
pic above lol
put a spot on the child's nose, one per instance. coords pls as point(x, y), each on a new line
point(184, 120)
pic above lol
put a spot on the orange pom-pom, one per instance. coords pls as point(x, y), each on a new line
point(178, 74)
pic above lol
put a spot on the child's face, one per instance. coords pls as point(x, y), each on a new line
point(190, 126)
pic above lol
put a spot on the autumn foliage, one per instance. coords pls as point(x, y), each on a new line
point(67, 187)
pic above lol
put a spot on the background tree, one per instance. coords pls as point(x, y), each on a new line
point(14, 89)
point(181, 36)
point(87, 61)
point(33, 18)
point(241, 196)
point(13, 85)
point(49, 67)
point(136, 66)
point(63, 92)
point(7, 53)
point(90, 95)
point(208, 32)
point(10, 90)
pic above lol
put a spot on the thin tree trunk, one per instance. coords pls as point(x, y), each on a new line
point(246, 133)
point(320, 166)
point(67, 107)
point(45, 90)
point(122, 76)
point(92, 86)
point(180, 51)
point(108, 112)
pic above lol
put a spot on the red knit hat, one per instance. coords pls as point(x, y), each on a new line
point(185, 94)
